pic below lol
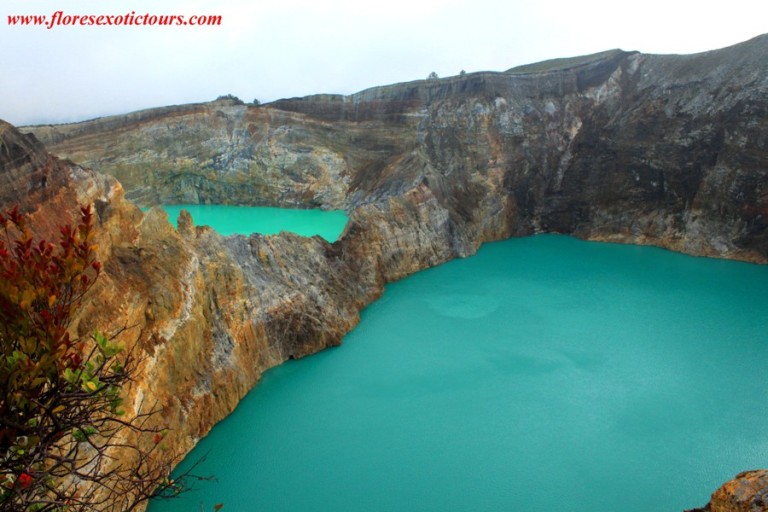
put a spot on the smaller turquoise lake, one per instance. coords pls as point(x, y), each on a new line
point(229, 220)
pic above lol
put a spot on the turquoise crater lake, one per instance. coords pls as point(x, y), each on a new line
point(228, 220)
point(542, 374)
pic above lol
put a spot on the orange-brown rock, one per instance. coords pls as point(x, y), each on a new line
point(747, 492)
point(210, 314)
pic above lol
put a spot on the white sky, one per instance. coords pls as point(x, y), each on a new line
point(270, 49)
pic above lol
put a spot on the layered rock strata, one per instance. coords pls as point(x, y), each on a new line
point(663, 150)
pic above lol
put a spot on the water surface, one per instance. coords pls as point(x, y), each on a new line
point(228, 220)
point(543, 374)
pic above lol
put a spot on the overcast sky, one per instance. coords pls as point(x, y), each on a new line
point(270, 49)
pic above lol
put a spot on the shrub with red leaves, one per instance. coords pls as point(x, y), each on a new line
point(41, 285)
point(61, 413)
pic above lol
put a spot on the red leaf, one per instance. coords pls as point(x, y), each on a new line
point(25, 480)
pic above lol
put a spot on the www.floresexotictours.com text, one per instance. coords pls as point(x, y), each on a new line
point(132, 19)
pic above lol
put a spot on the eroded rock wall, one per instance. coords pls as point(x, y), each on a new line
point(664, 150)
point(208, 314)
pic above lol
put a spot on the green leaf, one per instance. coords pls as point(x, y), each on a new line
point(70, 376)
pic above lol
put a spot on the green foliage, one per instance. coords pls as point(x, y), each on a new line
point(230, 97)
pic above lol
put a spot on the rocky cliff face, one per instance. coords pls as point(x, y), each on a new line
point(663, 150)
point(210, 314)
point(220, 153)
